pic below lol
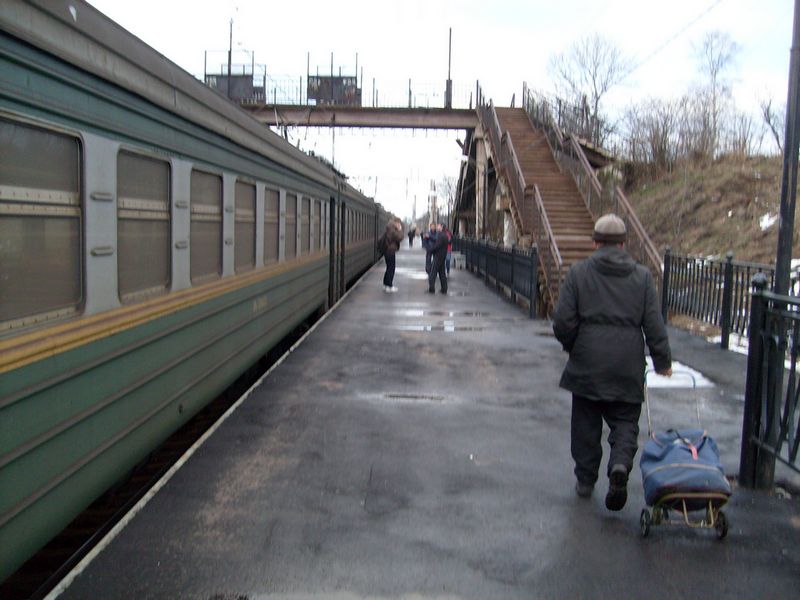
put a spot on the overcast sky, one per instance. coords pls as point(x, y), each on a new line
point(501, 44)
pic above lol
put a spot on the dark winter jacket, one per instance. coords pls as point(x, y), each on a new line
point(394, 235)
point(428, 239)
point(605, 306)
point(439, 247)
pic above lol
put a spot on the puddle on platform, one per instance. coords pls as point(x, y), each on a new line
point(414, 397)
point(411, 273)
point(438, 313)
point(446, 327)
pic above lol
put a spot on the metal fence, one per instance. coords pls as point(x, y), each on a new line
point(375, 94)
point(505, 268)
point(713, 291)
point(771, 424)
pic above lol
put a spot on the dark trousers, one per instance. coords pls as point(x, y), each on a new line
point(428, 259)
point(388, 276)
point(587, 429)
point(437, 268)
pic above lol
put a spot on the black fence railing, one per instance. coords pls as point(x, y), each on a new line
point(510, 269)
point(713, 291)
point(771, 424)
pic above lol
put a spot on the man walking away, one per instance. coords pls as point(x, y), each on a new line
point(439, 252)
point(605, 305)
point(392, 238)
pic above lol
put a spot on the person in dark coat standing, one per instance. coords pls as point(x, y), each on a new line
point(439, 252)
point(428, 239)
point(607, 309)
point(393, 236)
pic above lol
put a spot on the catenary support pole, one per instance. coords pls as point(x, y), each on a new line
point(790, 153)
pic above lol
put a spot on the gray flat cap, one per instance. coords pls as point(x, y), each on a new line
point(609, 229)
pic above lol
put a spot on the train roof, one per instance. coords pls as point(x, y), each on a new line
point(79, 34)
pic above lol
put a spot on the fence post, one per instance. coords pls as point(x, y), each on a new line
point(727, 301)
point(534, 258)
point(513, 260)
point(485, 261)
point(665, 284)
point(751, 423)
point(497, 267)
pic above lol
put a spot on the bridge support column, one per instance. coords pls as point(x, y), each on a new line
point(480, 185)
point(509, 231)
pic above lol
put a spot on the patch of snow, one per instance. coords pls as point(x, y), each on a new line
point(682, 377)
point(767, 221)
point(730, 214)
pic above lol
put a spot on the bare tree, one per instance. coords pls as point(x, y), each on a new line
point(587, 71)
point(715, 55)
point(774, 120)
point(744, 136)
point(447, 189)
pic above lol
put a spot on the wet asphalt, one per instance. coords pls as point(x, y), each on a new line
point(417, 446)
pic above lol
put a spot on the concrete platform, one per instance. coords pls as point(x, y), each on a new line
point(417, 446)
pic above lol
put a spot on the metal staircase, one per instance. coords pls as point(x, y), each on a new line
point(555, 194)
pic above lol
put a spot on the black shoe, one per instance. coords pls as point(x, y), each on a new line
point(431, 291)
point(443, 292)
point(584, 490)
point(617, 488)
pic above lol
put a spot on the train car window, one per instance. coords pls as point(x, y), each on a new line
point(41, 274)
point(245, 233)
point(205, 234)
point(291, 226)
point(272, 201)
point(317, 225)
point(305, 227)
point(143, 226)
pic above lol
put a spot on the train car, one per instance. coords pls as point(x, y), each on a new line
point(155, 241)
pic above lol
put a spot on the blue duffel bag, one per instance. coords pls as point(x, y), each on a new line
point(682, 462)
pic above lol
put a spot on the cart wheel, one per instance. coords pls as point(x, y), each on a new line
point(721, 525)
point(645, 521)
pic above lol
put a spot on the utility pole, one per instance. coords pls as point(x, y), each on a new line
point(448, 90)
point(790, 153)
point(230, 57)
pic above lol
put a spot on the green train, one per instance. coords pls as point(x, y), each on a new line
point(155, 241)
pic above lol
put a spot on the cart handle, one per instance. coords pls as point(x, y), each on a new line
point(647, 397)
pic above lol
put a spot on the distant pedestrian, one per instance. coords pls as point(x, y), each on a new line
point(607, 309)
point(449, 250)
point(392, 237)
point(439, 252)
point(411, 233)
point(428, 239)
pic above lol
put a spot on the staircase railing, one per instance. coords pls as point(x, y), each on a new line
point(571, 158)
point(508, 165)
point(549, 255)
point(639, 243)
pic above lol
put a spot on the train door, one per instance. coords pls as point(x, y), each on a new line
point(333, 252)
point(375, 257)
point(342, 246)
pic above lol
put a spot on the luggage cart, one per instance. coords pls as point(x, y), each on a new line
point(676, 506)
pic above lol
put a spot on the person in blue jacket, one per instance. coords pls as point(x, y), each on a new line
point(428, 239)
